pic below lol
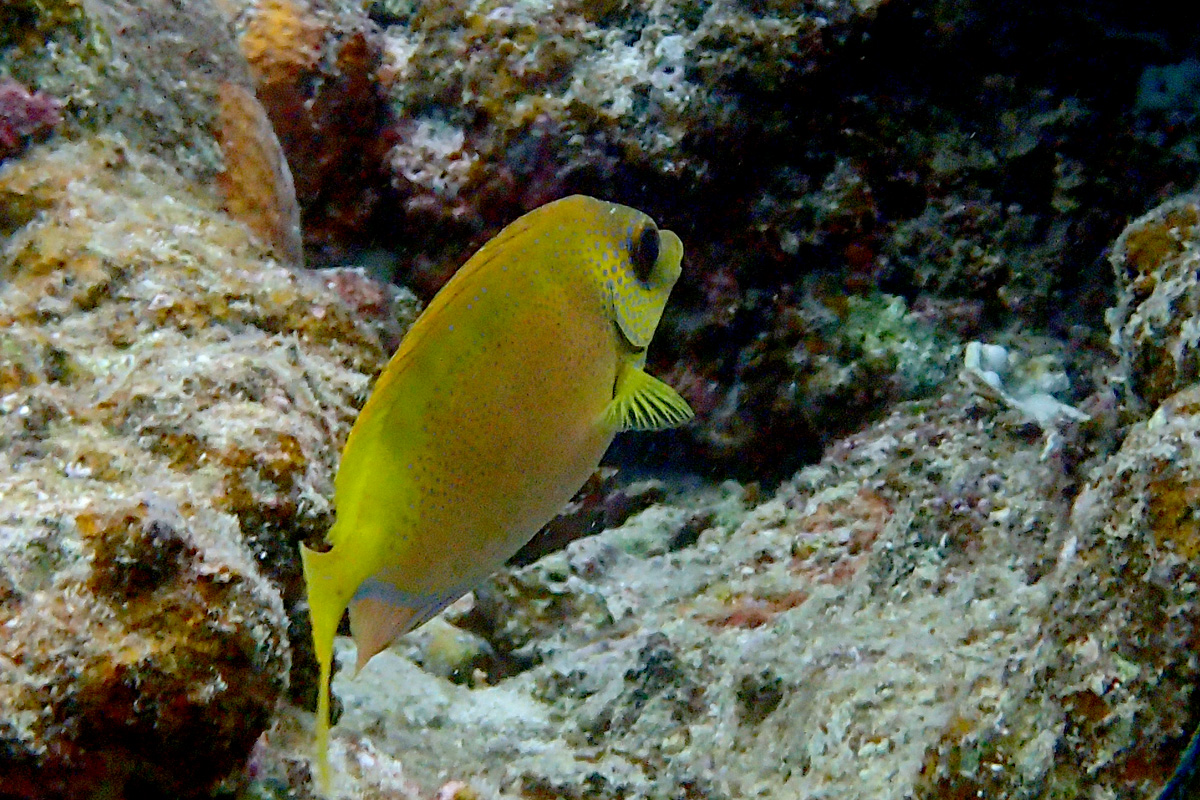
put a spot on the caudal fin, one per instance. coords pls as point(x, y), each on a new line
point(328, 594)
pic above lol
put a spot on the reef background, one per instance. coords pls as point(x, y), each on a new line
point(932, 534)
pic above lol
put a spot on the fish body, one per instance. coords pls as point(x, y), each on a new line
point(497, 406)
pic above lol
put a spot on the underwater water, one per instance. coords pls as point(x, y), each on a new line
point(844, 446)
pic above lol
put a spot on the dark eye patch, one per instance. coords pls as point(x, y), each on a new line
point(643, 251)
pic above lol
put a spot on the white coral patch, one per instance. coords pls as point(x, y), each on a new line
point(434, 156)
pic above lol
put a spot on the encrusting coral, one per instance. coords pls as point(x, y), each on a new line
point(314, 65)
point(24, 116)
point(256, 183)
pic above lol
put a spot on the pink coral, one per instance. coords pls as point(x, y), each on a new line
point(24, 116)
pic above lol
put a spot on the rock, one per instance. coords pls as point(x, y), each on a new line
point(171, 404)
point(924, 613)
point(943, 606)
point(1126, 618)
point(824, 169)
point(1155, 323)
point(169, 79)
point(526, 100)
point(874, 626)
point(314, 64)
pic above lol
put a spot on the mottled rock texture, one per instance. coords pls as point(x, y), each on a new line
point(170, 79)
point(1156, 321)
point(878, 627)
point(171, 404)
point(315, 67)
point(954, 602)
point(929, 612)
point(1126, 627)
point(804, 151)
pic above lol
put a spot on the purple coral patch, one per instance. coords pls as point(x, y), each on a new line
point(24, 115)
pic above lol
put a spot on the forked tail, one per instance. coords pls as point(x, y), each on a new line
point(329, 591)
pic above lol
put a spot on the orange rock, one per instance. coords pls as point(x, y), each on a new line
point(282, 41)
point(256, 185)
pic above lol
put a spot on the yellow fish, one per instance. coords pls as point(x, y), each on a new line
point(497, 406)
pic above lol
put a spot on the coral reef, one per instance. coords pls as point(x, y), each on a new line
point(171, 403)
point(501, 109)
point(803, 153)
point(981, 585)
point(877, 625)
point(846, 158)
point(314, 65)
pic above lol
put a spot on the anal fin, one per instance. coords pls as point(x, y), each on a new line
point(380, 613)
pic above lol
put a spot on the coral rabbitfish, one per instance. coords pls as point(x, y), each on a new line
point(497, 406)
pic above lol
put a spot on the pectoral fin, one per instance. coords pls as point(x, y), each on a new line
point(642, 402)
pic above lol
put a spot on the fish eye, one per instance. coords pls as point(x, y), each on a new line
point(643, 250)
